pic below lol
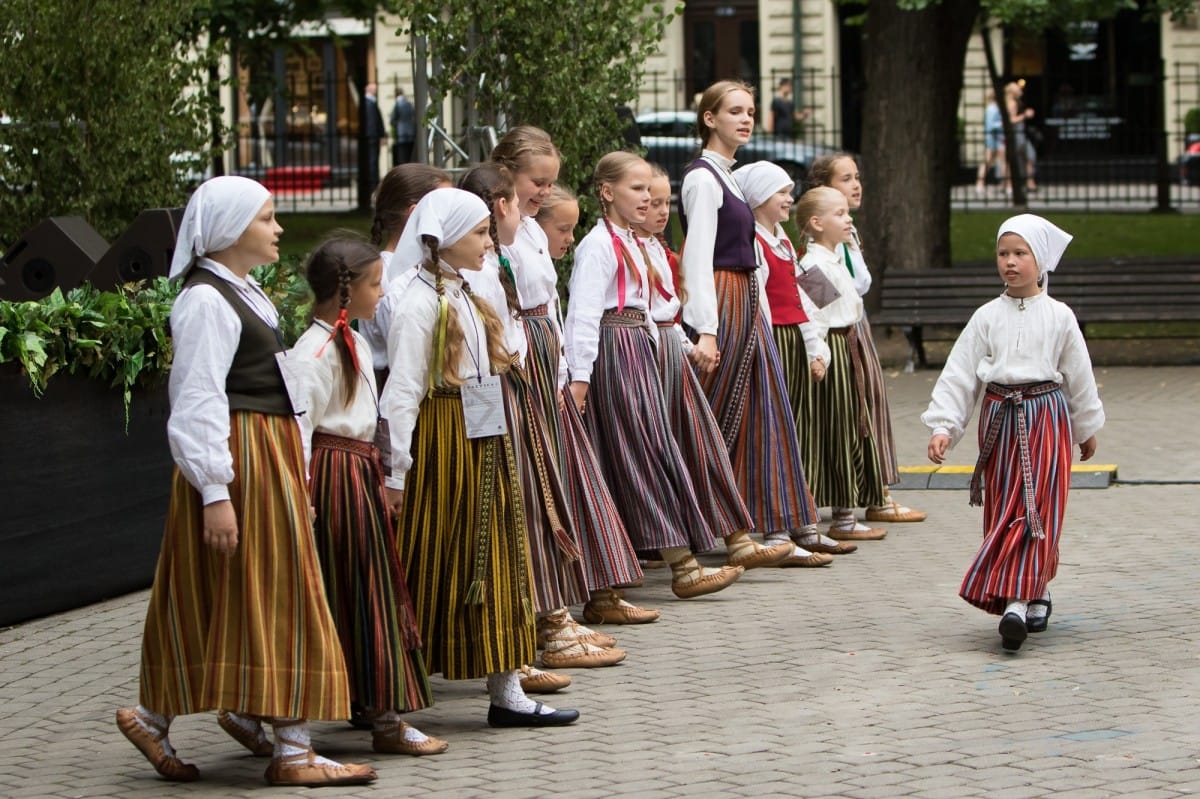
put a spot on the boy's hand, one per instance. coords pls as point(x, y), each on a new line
point(1087, 448)
point(937, 448)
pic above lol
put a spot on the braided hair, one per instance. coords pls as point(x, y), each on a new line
point(492, 183)
point(401, 188)
point(338, 262)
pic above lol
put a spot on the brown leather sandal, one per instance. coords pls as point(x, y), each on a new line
point(149, 741)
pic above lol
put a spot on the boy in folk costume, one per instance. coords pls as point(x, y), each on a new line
point(1025, 351)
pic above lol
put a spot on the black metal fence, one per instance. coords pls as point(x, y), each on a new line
point(1126, 151)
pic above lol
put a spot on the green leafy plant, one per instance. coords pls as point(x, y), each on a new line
point(1191, 121)
point(122, 338)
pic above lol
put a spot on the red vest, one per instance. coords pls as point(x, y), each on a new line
point(783, 293)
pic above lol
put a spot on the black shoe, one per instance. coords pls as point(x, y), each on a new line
point(1012, 631)
point(1036, 624)
point(503, 717)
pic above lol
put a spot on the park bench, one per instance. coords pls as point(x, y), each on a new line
point(1151, 290)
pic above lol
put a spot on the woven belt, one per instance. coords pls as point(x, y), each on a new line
point(630, 317)
point(328, 441)
point(1011, 399)
point(537, 310)
point(665, 324)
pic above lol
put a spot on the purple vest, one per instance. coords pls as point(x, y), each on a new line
point(734, 248)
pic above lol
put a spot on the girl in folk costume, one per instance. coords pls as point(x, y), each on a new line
point(1024, 352)
point(609, 560)
point(840, 171)
point(614, 373)
point(397, 195)
point(692, 422)
point(558, 216)
point(843, 462)
point(735, 353)
point(238, 620)
point(364, 578)
point(558, 576)
point(803, 354)
point(453, 481)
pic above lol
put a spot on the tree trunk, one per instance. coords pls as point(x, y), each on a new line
point(913, 64)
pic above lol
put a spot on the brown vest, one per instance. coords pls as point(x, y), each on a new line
point(254, 382)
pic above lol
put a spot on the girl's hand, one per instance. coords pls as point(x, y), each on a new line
point(395, 500)
point(1087, 449)
point(817, 368)
point(705, 354)
point(937, 448)
point(579, 391)
point(220, 527)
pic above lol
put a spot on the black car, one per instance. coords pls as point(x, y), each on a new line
point(670, 140)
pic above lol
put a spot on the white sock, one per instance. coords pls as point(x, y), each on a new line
point(390, 719)
point(155, 723)
point(504, 688)
point(808, 539)
point(292, 738)
point(1017, 606)
point(1038, 611)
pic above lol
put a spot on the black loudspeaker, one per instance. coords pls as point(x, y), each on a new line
point(142, 252)
point(56, 252)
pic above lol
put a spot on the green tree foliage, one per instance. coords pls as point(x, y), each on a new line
point(102, 114)
point(563, 65)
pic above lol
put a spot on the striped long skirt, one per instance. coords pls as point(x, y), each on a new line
point(1013, 563)
point(699, 439)
point(841, 459)
point(793, 358)
point(631, 433)
point(554, 552)
point(250, 632)
point(462, 534)
point(608, 556)
point(750, 402)
point(877, 403)
point(364, 579)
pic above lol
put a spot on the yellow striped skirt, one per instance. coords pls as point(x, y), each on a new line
point(251, 632)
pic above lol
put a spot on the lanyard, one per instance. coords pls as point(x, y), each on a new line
point(625, 260)
point(439, 341)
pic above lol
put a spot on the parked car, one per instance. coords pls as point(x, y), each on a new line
point(670, 140)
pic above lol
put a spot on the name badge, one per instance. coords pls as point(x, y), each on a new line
point(383, 443)
point(293, 372)
point(483, 407)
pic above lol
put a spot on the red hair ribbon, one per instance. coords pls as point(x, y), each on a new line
point(342, 327)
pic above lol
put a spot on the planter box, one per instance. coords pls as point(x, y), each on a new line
point(83, 502)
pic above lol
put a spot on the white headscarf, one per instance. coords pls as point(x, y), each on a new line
point(445, 214)
point(1046, 240)
point(759, 180)
point(217, 214)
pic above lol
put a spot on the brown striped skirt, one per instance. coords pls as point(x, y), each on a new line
point(364, 579)
point(699, 439)
point(750, 403)
point(462, 535)
point(631, 435)
point(250, 632)
point(608, 556)
point(555, 558)
point(877, 403)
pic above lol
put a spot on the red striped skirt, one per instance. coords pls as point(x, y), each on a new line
point(699, 439)
point(627, 419)
point(250, 632)
point(749, 399)
point(608, 556)
point(1013, 563)
point(364, 579)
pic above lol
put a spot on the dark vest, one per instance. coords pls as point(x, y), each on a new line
point(734, 248)
point(254, 382)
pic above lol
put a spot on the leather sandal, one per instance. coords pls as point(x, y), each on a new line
point(749, 554)
point(392, 742)
point(688, 579)
point(851, 530)
point(149, 741)
point(559, 626)
point(536, 681)
point(609, 607)
point(302, 769)
point(579, 655)
point(894, 512)
point(255, 740)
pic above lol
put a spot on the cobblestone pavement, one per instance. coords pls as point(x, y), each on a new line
point(866, 679)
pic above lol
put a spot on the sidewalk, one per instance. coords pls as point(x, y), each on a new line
point(867, 679)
